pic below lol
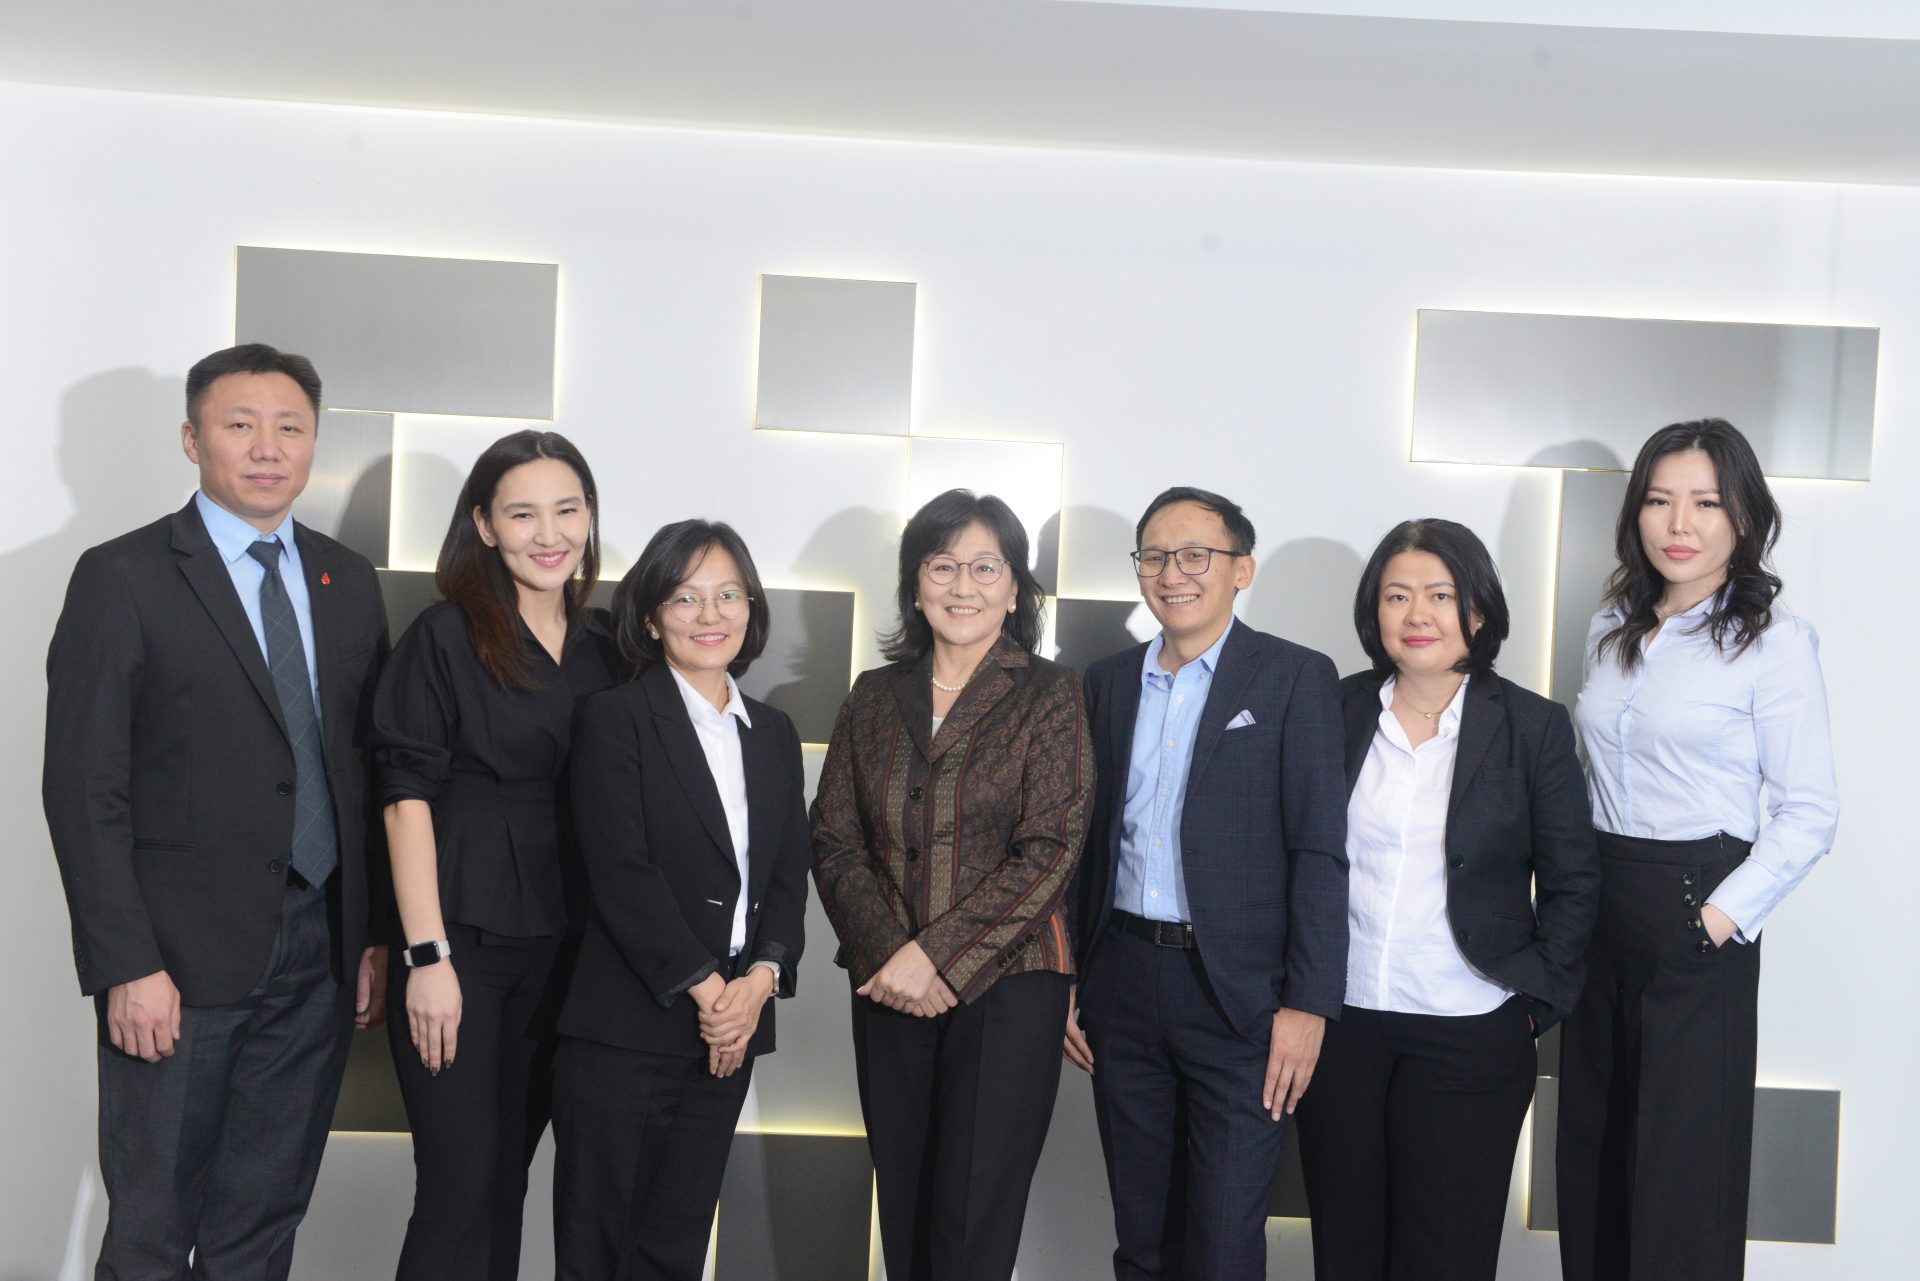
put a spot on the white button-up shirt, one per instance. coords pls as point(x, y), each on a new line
point(1681, 747)
point(1401, 954)
point(720, 742)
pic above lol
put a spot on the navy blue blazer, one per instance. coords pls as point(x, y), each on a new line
point(1523, 875)
point(1263, 835)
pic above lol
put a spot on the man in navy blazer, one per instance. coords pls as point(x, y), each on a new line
point(1210, 910)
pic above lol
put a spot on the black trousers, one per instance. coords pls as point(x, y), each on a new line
point(957, 1109)
point(214, 1151)
point(1657, 1062)
point(1191, 1153)
point(1407, 1136)
point(640, 1149)
point(477, 1124)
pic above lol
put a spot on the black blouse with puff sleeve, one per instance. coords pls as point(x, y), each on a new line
point(491, 764)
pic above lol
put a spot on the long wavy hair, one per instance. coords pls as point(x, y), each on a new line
point(472, 575)
point(1744, 607)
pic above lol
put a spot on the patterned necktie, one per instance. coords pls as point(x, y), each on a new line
point(316, 842)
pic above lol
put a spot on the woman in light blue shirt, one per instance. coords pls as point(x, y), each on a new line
point(1701, 691)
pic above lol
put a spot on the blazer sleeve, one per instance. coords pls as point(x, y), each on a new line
point(1029, 884)
point(1566, 870)
point(632, 900)
point(853, 889)
point(782, 934)
point(382, 912)
point(1313, 799)
point(94, 669)
point(1082, 910)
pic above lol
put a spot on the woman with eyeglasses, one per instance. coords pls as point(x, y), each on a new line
point(949, 818)
point(472, 727)
point(693, 831)
point(1703, 700)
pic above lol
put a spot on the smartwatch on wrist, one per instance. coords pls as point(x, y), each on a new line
point(431, 952)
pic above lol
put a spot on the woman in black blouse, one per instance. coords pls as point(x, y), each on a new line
point(473, 721)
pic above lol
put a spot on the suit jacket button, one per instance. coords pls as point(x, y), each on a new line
point(285, 789)
point(1456, 863)
point(1466, 936)
point(912, 853)
point(277, 866)
point(1003, 962)
point(1686, 900)
point(1703, 946)
point(1693, 923)
point(915, 793)
point(755, 908)
point(1686, 878)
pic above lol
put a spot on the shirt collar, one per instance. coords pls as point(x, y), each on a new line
point(1151, 668)
point(232, 536)
point(1449, 722)
point(697, 704)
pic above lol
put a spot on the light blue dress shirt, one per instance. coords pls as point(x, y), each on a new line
point(1694, 741)
point(1150, 881)
point(231, 538)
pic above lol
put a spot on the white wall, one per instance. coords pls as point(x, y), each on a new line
point(1247, 327)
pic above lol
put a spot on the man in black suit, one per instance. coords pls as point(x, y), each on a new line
point(1210, 911)
point(207, 693)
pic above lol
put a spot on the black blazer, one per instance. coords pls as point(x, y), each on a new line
point(661, 876)
point(1523, 874)
point(1263, 833)
point(168, 773)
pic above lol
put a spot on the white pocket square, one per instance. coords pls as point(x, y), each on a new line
point(1241, 721)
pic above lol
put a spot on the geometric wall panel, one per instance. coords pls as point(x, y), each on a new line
point(1086, 630)
point(1514, 389)
point(1589, 505)
point(370, 1092)
point(794, 1206)
point(398, 334)
point(1289, 1199)
point(1793, 1192)
point(1023, 474)
point(349, 496)
point(835, 355)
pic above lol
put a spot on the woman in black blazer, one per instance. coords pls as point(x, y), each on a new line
point(473, 720)
point(692, 826)
point(1473, 885)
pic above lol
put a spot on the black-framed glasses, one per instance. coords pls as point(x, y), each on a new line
point(730, 605)
point(1151, 562)
point(986, 571)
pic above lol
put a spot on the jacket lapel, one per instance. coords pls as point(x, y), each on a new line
point(1225, 697)
point(207, 574)
point(913, 695)
point(760, 761)
point(1480, 721)
point(688, 759)
point(314, 567)
point(1361, 706)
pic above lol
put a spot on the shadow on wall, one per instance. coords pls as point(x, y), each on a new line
point(855, 548)
point(120, 457)
point(1303, 591)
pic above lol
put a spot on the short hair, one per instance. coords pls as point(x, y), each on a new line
point(670, 555)
point(1239, 528)
point(1476, 590)
point(249, 358)
point(471, 574)
point(930, 532)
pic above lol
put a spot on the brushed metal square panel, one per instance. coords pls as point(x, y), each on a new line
point(1025, 474)
point(1793, 1194)
point(794, 1206)
point(370, 1101)
point(835, 355)
point(1589, 506)
point(421, 335)
point(1087, 630)
point(350, 493)
point(405, 592)
point(1514, 389)
point(807, 667)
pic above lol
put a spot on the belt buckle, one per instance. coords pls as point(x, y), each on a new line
point(1179, 939)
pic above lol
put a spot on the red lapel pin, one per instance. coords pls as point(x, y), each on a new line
point(324, 580)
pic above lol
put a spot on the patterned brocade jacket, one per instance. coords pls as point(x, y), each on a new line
point(964, 841)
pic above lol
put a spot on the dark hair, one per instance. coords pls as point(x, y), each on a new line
point(1239, 528)
point(472, 575)
point(930, 532)
point(1745, 608)
point(249, 358)
point(1476, 590)
point(670, 555)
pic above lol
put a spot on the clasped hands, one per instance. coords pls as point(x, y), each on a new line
point(910, 983)
point(729, 1015)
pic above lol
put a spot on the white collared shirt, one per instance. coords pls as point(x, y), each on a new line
point(1681, 747)
point(720, 742)
point(1401, 954)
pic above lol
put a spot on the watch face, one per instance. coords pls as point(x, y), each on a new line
point(423, 954)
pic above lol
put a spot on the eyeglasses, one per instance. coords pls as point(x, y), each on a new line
point(1151, 562)
point(944, 569)
point(730, 605)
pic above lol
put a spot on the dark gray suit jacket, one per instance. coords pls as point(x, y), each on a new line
point(168, 778)
point(1262, 834)
point(1523, 875)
